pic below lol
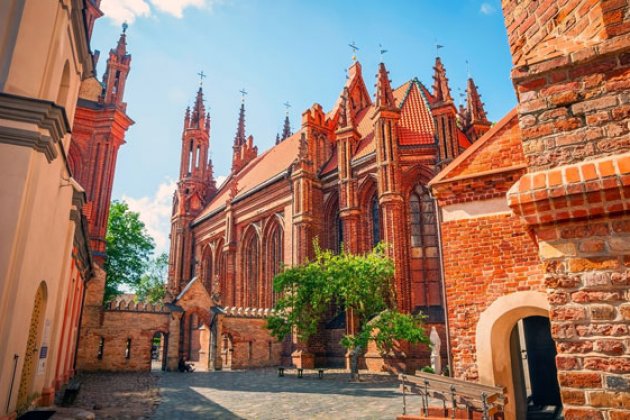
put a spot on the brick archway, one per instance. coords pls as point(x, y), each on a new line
point(495, 325)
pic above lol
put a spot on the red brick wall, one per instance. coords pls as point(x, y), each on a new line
point(484, 259)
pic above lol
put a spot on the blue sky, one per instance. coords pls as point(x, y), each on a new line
point(278, 50)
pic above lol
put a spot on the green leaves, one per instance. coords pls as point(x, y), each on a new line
point(152, 285)
point(359, 283)
point(128, 248)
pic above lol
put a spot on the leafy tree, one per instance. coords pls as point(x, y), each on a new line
point(151, 287)
point(128, 248)
point(361, 284)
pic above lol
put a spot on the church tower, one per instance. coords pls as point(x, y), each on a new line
point(196, 186)
point(244, 150)
point(475, 119)
point(100, 124)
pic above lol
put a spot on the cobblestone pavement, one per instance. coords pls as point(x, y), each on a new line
point(116, 395)
point(261, 394)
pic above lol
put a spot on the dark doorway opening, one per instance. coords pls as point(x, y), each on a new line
point(536, 388)
point(159, 349)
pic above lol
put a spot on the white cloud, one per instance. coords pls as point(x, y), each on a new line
point(120, 11)
point(176, 7)
point(220, 180)
point(487, 9)
point(155, 213)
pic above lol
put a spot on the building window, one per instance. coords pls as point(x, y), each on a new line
point(275, 263)
point(207, 270)
point(251, 272)
point(101, 348)
point(376, 221)
point(128, 349)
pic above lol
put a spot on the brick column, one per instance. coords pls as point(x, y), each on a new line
point(572, 76)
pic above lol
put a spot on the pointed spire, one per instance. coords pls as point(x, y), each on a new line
point(187, 117)
point(384, 93)
point(277, 138)
point(441, 91)
point(121, 48)
point(198, 111)
point(240, 139)
point(476, 111)
point(286, 130)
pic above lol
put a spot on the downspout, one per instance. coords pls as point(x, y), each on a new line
point(438, 213)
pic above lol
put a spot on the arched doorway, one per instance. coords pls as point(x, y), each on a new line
point(535, 376)
point(159, 350)
point(498, 330)
point(32, 348)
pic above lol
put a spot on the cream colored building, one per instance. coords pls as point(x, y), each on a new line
point(44, 258)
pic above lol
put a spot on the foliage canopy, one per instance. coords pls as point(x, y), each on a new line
point(361, 284)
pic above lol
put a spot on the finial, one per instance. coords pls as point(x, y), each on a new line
point(468, 69)
point(437, 48)
point(201, 75)
point(124, 27)
point(346, 72)
point(354, 50)
point(382, 51)
point(287, 105)
point(243, 93)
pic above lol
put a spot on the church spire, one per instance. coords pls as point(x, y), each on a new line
point(116, 71)
point(121, 48)
point(384, 93)
point(441, 91)
point(286, 130)
point(198, 117)
point(345, 118)
point(476, 111)
point(240, 139)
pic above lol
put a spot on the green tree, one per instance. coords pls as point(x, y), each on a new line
point(128, 249)
point(152, 285)
point(358, 283)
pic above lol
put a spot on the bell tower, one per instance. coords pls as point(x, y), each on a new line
point(195, 188)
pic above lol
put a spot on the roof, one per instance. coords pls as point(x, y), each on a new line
point(264, 167)
point(499, 148)
point(416, 122)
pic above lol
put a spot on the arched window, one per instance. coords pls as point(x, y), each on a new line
point(251, 271)
point(190, 158)
point(198, 156)
point(275, 259)
point(207, 269)
point(376, 221)
point(425, 267)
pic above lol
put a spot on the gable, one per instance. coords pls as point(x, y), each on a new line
point(500, 148)
point(194, 296)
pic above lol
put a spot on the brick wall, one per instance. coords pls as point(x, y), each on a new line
point(253, 345)
point(484, 259)
point(572, 75)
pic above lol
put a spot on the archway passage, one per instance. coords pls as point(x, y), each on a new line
point(31, 354)
point(159, 349)
point(535, 375)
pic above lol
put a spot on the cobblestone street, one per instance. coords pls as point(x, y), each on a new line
point(258, 394)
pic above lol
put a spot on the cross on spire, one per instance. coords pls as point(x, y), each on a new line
point(124, 27)
point(468, 68)
point(201, 75)
point(287, 105)
point(354, 50)
point(243, 93)
point(381, 51)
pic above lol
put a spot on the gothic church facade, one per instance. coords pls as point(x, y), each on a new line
point(353, 176)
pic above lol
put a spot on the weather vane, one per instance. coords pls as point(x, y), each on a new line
point(287, 105)
point(468, 68)
point(243, 93)
point(346, 72)
point(125, 26)
point(382, 51)
point(437, 48)
point(354, 50)
point(201, 75)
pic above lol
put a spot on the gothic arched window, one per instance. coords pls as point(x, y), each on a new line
point(251, 271)
point(275, 257)
point(376, 220)
point(207, 269)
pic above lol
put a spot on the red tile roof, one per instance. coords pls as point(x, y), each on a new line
point(416, 122)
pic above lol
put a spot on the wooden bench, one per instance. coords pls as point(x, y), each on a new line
point(455, 395)
point(300, 372)
point(70, 392)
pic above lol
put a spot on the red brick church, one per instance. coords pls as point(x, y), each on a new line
point(355, 175)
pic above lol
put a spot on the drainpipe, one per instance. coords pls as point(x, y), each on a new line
point(438, 213)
